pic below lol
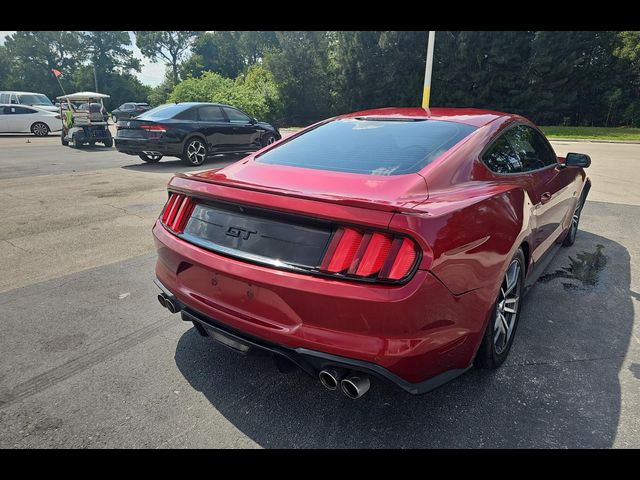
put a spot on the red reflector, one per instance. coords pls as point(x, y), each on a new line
point(345, 250)
point(375, 255)
point(404, 260)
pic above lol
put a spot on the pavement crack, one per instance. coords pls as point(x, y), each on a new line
point(16, 246)
point(125, 211)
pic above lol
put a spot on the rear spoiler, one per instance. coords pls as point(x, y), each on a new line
point(191, 183)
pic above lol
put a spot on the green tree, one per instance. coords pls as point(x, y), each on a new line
point(300, 68)
point(34, 54)
point(108, 52)
point(215, 52)
point(170, 46)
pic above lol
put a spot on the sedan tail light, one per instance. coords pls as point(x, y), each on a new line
point(374, 255)
point(177, 211)
point(154, 128)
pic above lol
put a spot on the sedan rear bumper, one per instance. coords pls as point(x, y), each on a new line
point(137, 146)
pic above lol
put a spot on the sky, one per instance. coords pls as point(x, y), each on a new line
point(152, 73)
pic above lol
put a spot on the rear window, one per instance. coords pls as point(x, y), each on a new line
point(163, 112)
point(369, 146)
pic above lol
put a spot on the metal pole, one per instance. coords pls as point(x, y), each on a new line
point(426, 92)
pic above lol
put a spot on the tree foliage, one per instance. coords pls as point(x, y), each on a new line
point(170, 46)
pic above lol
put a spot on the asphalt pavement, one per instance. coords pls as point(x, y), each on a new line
point(88, 358)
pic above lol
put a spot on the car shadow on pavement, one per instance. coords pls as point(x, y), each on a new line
point(167, 165)
point(559, 387)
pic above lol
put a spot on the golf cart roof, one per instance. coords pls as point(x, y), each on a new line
point(79, 96)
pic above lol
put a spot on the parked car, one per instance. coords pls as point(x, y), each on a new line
point(392, 243)
point(29, 99)
point(129, 110)
point(21, 119)
point(192, 132)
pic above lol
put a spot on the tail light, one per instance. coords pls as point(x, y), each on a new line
point(373, 255)
point(177, 211)
point(154, 128)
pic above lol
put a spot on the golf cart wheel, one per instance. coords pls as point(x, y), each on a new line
point(108, 143)
point(74, 143)
point(63, 141)
point(150, 157)
point(40, 129)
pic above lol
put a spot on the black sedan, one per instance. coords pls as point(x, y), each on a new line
point(129, 110)
point(192, 132)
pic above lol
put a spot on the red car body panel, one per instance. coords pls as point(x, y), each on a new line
point(466, 220)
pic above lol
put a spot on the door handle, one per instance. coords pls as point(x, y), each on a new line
point(546, 196)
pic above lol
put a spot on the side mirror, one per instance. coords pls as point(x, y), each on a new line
point(253, 121)
point(577, 160)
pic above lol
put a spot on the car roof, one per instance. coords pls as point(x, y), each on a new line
point(19, 91)
point(470, 116)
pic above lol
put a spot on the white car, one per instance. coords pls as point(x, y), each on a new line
point(22, 119)
point(28, 99)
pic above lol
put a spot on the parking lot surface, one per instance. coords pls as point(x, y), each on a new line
point(88, 358)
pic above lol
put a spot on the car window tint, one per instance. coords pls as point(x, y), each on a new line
point(22, 110)
point(532, 149)
point(501, 157)
point(236, 116)
point(189, 114)
point(163, 112)
point(369, 146)
point(211, 114)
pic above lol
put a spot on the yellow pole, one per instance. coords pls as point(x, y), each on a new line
point(426, 92)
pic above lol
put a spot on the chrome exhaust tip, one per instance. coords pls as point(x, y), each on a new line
point(356, 385)
point(162, 300)
point(171, 305)
point(330, 377)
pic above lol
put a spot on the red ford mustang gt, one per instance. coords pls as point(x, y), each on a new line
point(395, 243)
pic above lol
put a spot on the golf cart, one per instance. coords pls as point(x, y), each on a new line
point(84, 120)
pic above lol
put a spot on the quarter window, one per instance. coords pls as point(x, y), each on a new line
point(532, 149)
point(502, 158)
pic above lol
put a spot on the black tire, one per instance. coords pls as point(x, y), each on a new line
point(268, 139)
point(40, 129)
point(150, 158)
point(63, 141)
point(570, 239)
point(74, 141)
point(195, 152)
point(108, 143)
point(501, 330)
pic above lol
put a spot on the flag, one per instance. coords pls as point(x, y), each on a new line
point(57, 73)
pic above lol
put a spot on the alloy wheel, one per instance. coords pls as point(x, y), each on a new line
point(40, 129)
point(196, 152)
point(507, 308)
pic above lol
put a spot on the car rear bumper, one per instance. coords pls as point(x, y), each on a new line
point(311, 361)
point(417, 335)
point(137, 146)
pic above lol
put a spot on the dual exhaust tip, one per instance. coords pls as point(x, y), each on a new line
point(353, 385)
point(168, 303)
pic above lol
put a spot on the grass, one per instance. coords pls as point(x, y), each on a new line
point(593, 133)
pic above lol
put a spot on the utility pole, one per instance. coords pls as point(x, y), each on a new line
point(426, 92)
point(95, 77)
